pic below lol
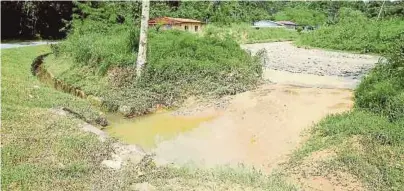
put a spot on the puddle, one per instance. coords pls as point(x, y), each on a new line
point(149, 130)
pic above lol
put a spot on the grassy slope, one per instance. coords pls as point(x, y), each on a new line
point(44, 151)
point(41, 150)
point(179, 64)
point(367, 145)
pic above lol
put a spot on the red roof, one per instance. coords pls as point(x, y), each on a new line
point(171, 20)
point(286, 22)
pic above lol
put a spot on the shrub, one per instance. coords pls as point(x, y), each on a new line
point(382, 91)
point(101, 49)
point(178, 64)
point(301, 15)
point(355, 32)
point(244, 33)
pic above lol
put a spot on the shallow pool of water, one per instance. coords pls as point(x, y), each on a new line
point(148, 130)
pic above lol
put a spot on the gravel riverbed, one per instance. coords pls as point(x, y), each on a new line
point(284, 56)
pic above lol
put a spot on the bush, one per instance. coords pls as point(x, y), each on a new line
point(244, 33)
point(109, 47)
point(355, 32)
point(301, 15)
point(184, 58)
point(382, 91)
point(178, 64)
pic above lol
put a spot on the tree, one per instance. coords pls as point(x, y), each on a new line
point(141, 58)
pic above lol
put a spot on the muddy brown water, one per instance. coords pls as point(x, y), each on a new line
point(261, 127)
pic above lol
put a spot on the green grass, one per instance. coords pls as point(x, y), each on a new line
point(41, 150)
point(180, 64)
point(355, 32)
point(368, 141)
point(382, 91)
point(243, 33)
point(44, 151)
point(367, 145)
point(190, 178)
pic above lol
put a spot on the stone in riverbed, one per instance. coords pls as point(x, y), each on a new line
point(125, 110)
point(101, 121)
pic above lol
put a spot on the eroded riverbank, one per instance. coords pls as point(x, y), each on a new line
point(259, 127)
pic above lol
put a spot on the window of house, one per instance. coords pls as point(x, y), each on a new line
point(196, 28)
point(186, 27)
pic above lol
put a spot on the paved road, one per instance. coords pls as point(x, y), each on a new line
point(24, 44)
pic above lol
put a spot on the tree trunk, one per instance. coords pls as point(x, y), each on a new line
point(141, 57)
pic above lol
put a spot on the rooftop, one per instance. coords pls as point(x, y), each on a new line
point(172, 20)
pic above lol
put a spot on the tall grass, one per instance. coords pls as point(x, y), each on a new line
point(356, 32)
point(178, 64)
point(112, 46)
point(382, 91)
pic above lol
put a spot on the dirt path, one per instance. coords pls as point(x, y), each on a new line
point(262, 127)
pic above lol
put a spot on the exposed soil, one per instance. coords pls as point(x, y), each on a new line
point(261, 127)
point(312, 174)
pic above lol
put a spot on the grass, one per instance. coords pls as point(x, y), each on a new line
point(382, 91)
point(180, 64)
point(369, 140)
point(244, 34)
point(367, 145)
point(191, 178)
point(355, 32)
point(45, 151)
point(42, 150)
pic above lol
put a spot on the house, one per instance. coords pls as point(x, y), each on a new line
point(266, 24)
point(288, 24)
point(167, 23)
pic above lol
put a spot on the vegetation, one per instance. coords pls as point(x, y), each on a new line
point(382, 91)
point(370, 138)
point(366, 145)
point(244, 33)
point(179, 64)
point(43, 150)
point(30, 20)
point(301, 15)
point(355, 32)
point(40, 149)
point(52, 20)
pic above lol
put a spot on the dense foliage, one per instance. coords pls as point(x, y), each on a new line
point(301, 15)
point(30, 19)
point(244, 33)
point(355, 32)
point(383, 90)
point(46, 19)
